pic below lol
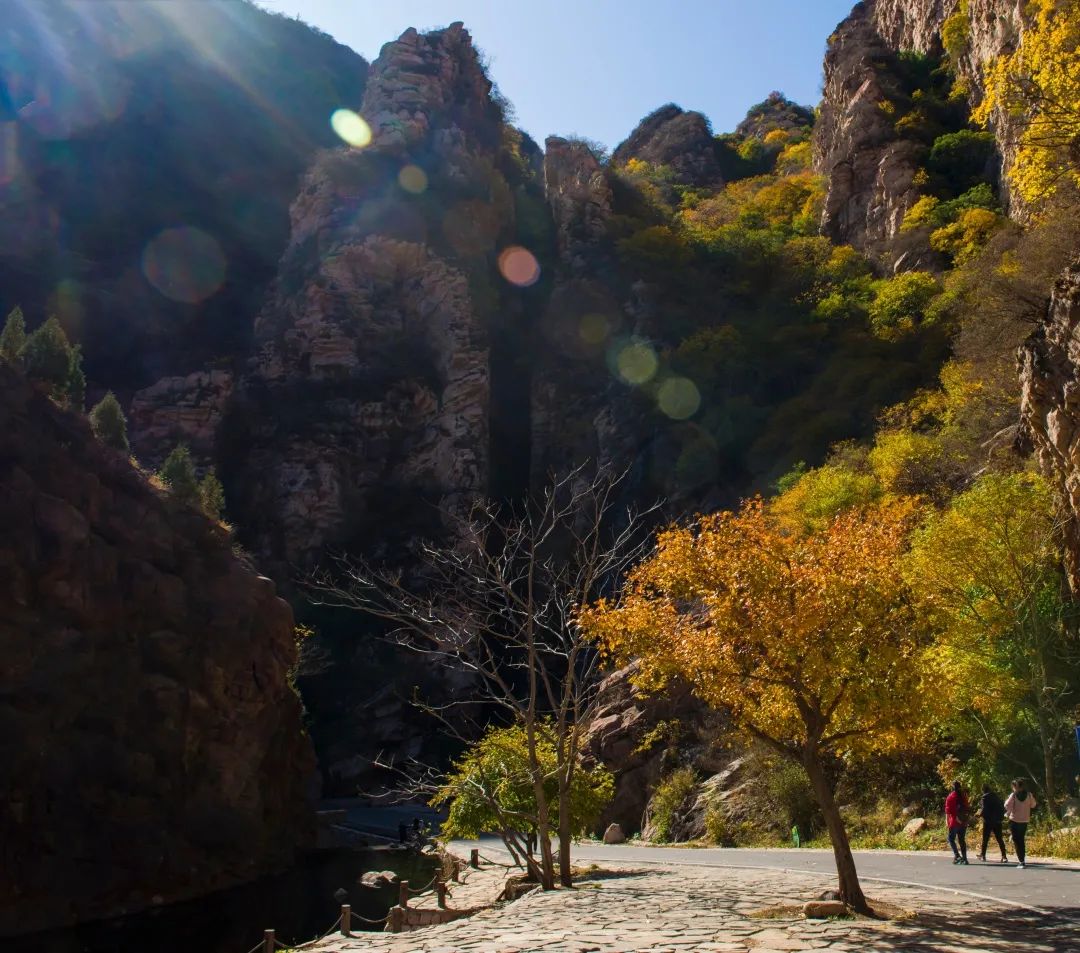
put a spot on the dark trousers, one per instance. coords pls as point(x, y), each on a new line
point(1019, 832)
point(993, 827)
point(958, 838)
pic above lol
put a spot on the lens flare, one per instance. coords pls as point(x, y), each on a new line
point(412, 179)
point(636, 362)
point(595, 328)
point(184, 264)
point(679, 398)
point(351, 127)
point(519, 266)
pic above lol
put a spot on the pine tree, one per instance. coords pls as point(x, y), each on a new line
point(76, 381)
point(212, 495)
point(46, 355)
point(178, 474)
point(107, 419)
point(13, 337)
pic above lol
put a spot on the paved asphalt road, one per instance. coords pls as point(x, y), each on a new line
point(1044, 886)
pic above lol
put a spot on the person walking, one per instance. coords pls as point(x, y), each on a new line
point(1018, 807)
point(957, 810)
point(992, 812)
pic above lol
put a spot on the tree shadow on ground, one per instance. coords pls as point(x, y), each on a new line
point(979, 930)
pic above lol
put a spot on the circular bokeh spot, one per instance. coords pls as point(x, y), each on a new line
point(519, 266)
point(412, 179)
point(679, 398)
point(184, 264)
point(351, 127)
point(636, 362)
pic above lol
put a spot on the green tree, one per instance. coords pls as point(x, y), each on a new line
point(109, 424)
point(212, 495)
point(988, 569)
point(490, 788)
point(13, 337)
point(178, 474)
point(900, 303)
point(47, 357)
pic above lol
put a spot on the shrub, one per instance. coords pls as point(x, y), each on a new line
point(718, 828)
point(788, 792)
point(108, 422)
point(13, 337)
point(900, 303)
point(959, 159)
point(669, 796)
point(178, 475)
point(47, 358)
point(75, 386)
point(212, 495)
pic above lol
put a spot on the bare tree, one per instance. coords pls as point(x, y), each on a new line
point(499, 604)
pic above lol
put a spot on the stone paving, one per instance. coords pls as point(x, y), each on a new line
point(707, 910)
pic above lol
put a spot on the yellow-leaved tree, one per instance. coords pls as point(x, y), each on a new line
point(988, 570)
point(1037, 87)
point(808, 640)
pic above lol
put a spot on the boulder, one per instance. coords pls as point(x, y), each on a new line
point(915, 826)
point(822, 909)
point(376, 879)
point(614, 834)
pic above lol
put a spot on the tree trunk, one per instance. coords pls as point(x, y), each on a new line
point(543, 839)
point(565, 876)
point(850, 889)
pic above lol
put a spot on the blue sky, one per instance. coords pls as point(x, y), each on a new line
point(595, 67)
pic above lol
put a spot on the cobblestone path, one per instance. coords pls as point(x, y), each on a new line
point(707, 910)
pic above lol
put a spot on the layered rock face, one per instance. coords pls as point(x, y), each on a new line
point(681, 140)
point(363, 411)
point(151, 742)
point(871, 170)
point(1049, 364)
point(871, 167)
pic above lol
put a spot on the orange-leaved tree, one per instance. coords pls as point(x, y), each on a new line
point(809, 640)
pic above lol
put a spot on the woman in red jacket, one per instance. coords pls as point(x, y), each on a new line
point(957, 810)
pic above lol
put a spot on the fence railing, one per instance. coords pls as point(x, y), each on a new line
point(396, 920)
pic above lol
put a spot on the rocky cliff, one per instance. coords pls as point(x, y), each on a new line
point(151, 742)
point(1049, 364)
point(871, 140)
point(681, 140)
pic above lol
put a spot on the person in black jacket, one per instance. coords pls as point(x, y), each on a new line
point(993, 813)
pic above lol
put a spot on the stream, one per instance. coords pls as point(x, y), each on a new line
point(299, 904)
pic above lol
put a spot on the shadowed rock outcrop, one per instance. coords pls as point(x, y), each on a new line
point(678, 139)
point(151, 742)
point(1049, 366)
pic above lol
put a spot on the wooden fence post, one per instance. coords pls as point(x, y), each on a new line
point(455, 873)
point(268, 941)
point(474, 858)
point(403, 894)
point(397, 919)
point(440, 894)
point(346, 919)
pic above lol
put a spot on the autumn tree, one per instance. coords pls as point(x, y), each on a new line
point(989, 568)
point(809, 641)
point(498, 608)
point(1036, 89)
point(108, 422)
point(13, 337)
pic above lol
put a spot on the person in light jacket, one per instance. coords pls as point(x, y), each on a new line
point(1018, 808)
